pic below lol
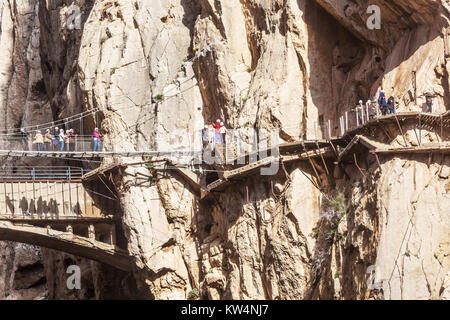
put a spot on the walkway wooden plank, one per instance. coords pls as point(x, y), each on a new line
point(326, 152)
point(248, 169)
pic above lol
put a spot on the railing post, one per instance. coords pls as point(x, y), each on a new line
point(362, 116)
point(69, 173)
point(91, 231)
point(346, 121)
point(315, 130)
point(329, 130)
point(357, 118)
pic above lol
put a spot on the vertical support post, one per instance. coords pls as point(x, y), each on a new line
point(78, 198)
point(12, 198)
point(70, 197)
point(357, 118)
point(341, 123)
point(6, 203)
point(63, 198)
point(34, 198)
point(91, 231)
point(85, 202)
point(315, 130)
point(346, 121)
point(362, 116)
point(40, 197)
point(329, 130)
point(54, 194)
point(113, 234)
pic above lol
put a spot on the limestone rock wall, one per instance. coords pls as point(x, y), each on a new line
point(287, 64)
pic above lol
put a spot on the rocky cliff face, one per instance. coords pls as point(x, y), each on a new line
point(285, 64)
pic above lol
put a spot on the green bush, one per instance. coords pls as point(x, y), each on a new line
point(193, 294)
point(339, 203)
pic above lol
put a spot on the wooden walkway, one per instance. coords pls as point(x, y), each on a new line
point(61, 215)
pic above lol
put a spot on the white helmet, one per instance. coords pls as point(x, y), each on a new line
point(360, 101)
point(369, 101)
point(206, 127)
point(393, 95)
point(382, 91)
point(218, 121)
point(221, 123)
point(427, 92)
point(96, 129)
point(39, 131)
point(56, 128)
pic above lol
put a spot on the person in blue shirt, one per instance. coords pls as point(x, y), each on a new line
point(382, 103)
point(391, 104)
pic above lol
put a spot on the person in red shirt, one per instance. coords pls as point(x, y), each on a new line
point(216, 126)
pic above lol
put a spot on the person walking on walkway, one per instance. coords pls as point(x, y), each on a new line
point(38, 140)
point(371, 109)
point(55, 138)
point(96, 137)
point(359, 109)
point(62, 139)
point(429, 101)
point(382, 103)
point(223, 132)
point(391, 104)
point(72, 140)
point(47, 140)
point(67, 140)
point(218, 136)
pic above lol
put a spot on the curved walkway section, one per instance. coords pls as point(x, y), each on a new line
point(66, 242)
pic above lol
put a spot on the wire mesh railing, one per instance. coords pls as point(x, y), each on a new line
point(31, 143)
point(43, 173)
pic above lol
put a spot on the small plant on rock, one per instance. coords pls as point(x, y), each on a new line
point(193, 294)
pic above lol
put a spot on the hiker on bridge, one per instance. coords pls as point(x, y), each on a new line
point(55, 138)
point(96, 138)
point(47, 140)
point(218, 136)
point(359, 106)
point(67, 140)
point(223, 132)
point(429, 101)
point(382, 103)
point(62, 139)
point(24, 136)
point(72, 138)
point(391, 104)
point(38, 140)
point(372, 109)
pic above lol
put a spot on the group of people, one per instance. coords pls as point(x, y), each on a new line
point(57, 140)
point(389, 106)
point(385, 106)
point(214, 133)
